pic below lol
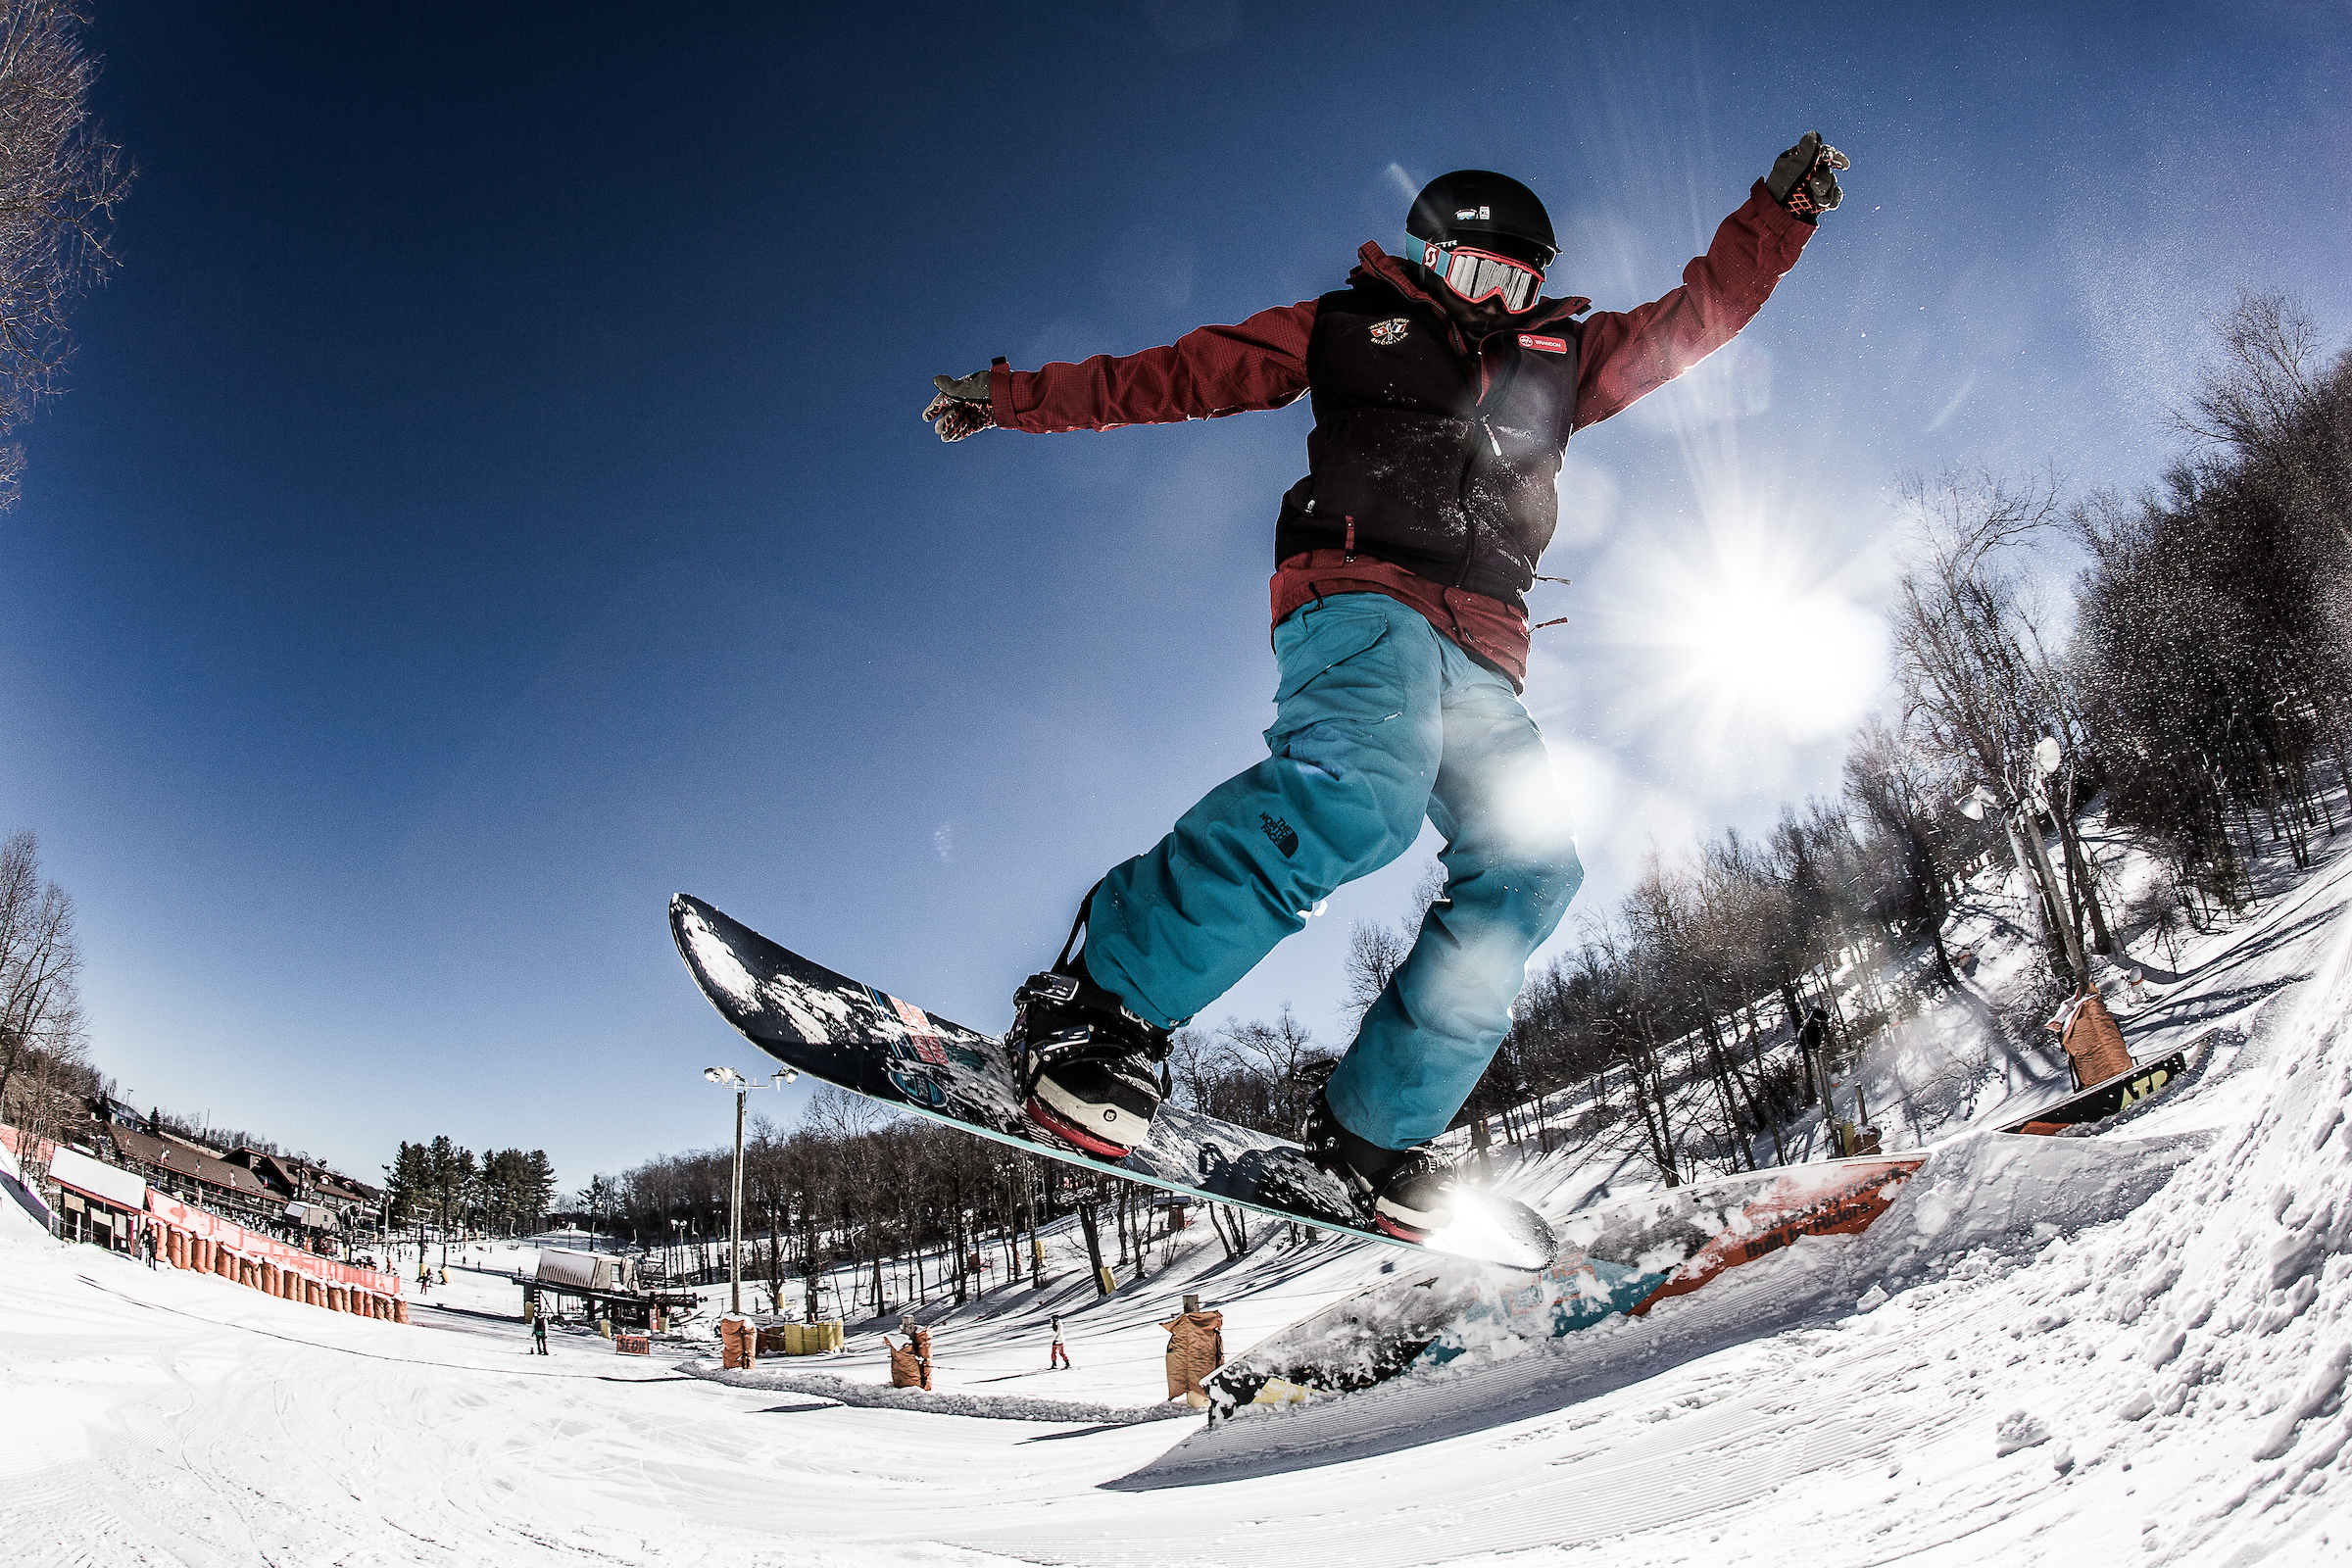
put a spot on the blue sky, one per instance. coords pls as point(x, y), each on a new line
point(491, 496)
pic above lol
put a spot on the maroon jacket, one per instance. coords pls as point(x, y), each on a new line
point(1264, 364)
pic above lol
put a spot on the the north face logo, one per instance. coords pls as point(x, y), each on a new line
point(1390, 332)
point(1285, 836)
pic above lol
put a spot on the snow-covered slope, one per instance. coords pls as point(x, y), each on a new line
point(2128, 1348)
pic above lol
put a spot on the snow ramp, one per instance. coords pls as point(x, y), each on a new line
point(1457, 1350)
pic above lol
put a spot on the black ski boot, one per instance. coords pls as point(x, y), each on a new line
point(1092, 1072)
point(1408, 1193)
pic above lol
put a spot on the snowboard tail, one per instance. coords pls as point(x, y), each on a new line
point(871, 1042)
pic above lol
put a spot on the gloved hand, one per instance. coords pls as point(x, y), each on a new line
point(961, 408)
point(1804, 178)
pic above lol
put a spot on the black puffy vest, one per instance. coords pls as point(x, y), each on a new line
point(1441, 462)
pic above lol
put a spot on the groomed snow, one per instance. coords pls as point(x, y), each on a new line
point(2126, 1348)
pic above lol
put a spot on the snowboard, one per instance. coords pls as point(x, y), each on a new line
point(871, 1042)
point(1622, 1256)
point(2103, 1099)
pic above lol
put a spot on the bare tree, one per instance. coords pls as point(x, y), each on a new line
point(1979, 688)
point(1281, 1056)
point(41, 1043)
point(60, 182)
point(2255, 396)
point(1376, 952)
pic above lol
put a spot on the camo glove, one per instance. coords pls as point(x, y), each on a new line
point(1804, 178)
point(961, 406)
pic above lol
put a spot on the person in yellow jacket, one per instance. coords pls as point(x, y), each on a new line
point(1196, 1349)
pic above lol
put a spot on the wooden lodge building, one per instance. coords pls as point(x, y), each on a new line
point(275, 1194)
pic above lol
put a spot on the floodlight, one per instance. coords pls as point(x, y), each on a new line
point(2046, 755)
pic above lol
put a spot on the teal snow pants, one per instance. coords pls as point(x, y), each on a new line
point(1378, 721)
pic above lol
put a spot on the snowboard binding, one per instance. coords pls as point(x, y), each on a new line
point(1084, 1061)
point(1404, 1192)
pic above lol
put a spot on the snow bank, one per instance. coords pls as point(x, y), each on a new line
point(2110, 1349)
point(992, 1406)
point(1981, 1198)
point(2132, 1348)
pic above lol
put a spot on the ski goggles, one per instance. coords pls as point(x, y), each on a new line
point(1482, 276)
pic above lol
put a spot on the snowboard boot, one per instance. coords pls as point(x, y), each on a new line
point(1406, 1193)
point(1092, 1072)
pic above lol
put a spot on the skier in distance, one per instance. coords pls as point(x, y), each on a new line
point(1444, 389)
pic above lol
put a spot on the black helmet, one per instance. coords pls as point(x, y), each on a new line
point(1488, 211)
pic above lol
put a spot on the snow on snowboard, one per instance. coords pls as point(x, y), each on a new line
point(1624, 1255)
point(872, 1044)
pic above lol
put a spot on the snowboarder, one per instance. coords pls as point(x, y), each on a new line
point(1445, 390)
point(1196, 1349)
point(918, 1338)
point(1060, 1360)
point(1812, 1041)
point(906, 1367)
point(538, 1329)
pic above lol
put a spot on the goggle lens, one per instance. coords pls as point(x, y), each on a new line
point(1480, 275)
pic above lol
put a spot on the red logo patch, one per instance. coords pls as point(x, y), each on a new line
point(1550, 345)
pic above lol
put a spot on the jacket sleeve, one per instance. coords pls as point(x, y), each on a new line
point(1626, 354)
point(1208, 373)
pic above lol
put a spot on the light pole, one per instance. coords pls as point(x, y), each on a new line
point(728, 1077)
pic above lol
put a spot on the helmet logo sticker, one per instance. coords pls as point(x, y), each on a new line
point(1484, 214)
point(1390, 332)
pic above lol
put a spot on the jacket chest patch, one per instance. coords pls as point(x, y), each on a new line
point(1547, 345)
point(1390, 332)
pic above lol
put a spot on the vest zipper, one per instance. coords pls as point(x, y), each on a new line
point(1463, 490)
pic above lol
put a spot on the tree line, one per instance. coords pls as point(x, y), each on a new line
point(854, 1204)
point(2203, 699)
point(2213, 672)
point(503, 1191)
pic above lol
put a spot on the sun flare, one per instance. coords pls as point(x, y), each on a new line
point(1751, 649)
point(1805, 663)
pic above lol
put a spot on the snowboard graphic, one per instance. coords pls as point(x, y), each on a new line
point(872, 1044)
point(1624, 1255)
point(2103, 1099)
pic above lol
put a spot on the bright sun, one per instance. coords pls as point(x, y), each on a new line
point(1753, 649)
